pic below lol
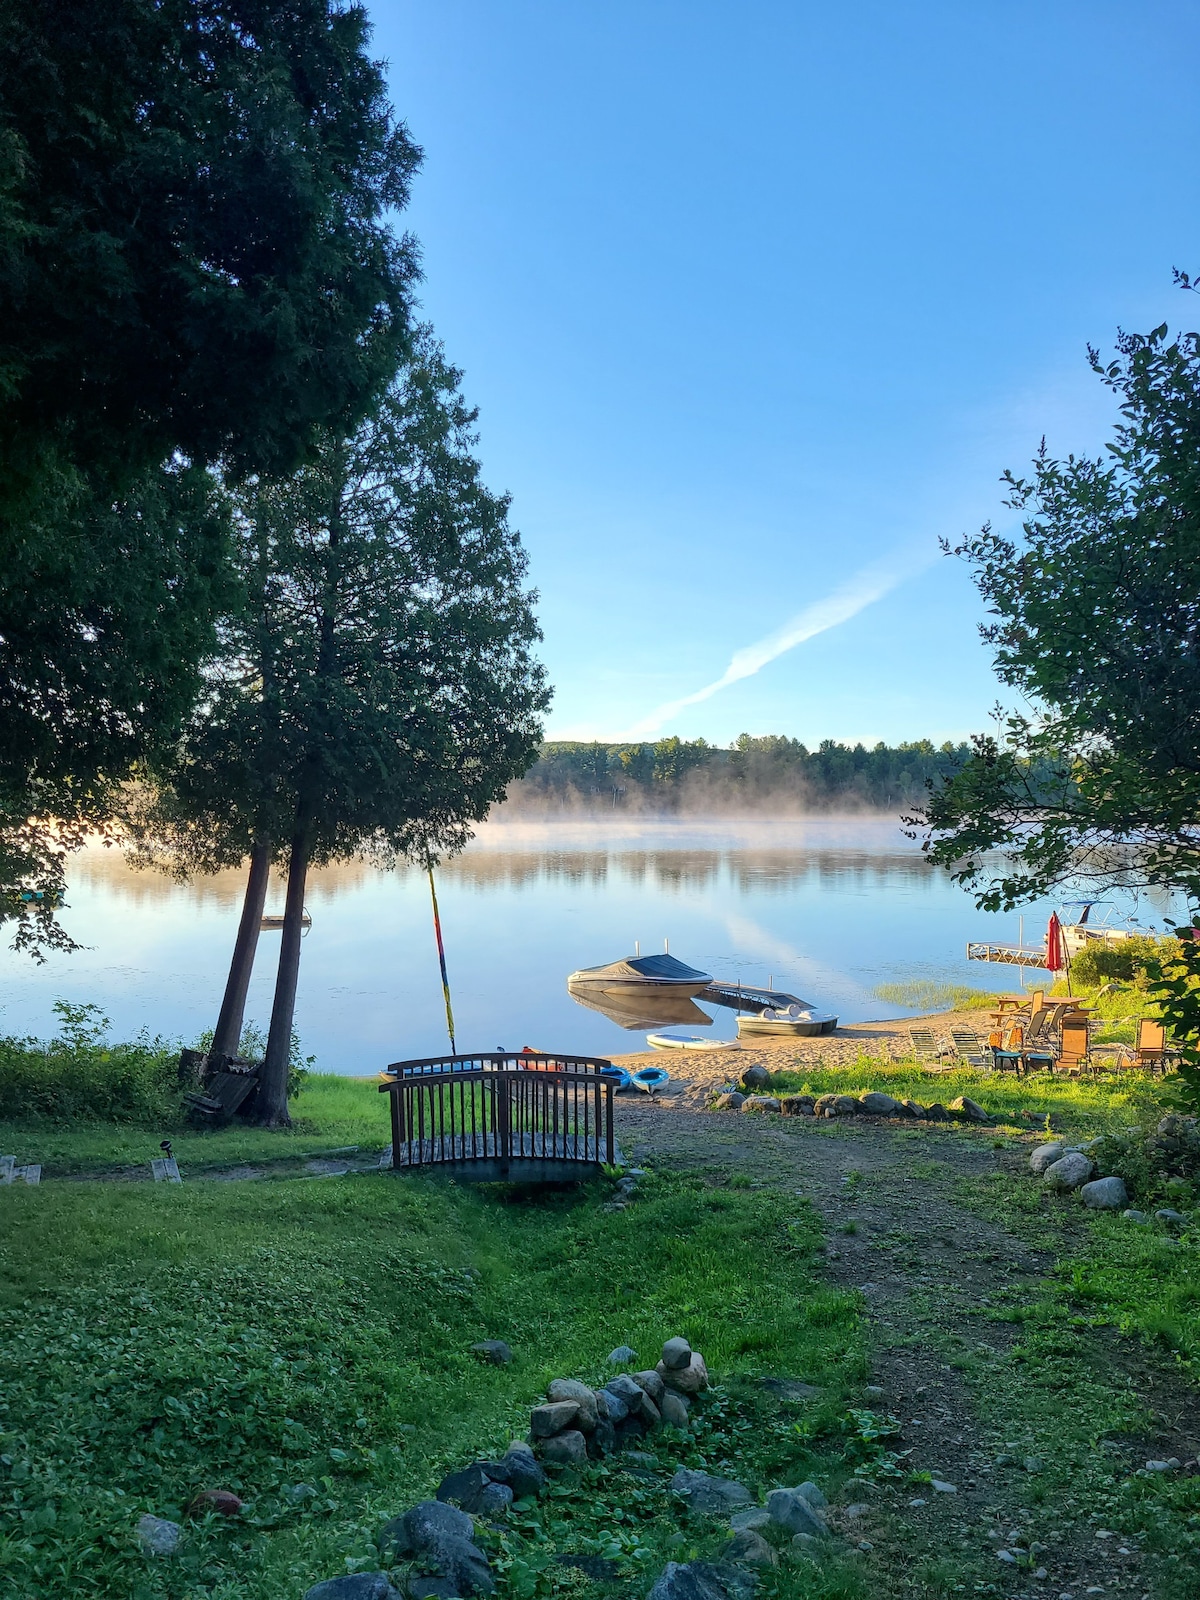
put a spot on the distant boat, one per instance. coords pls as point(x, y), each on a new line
point(645, 973)
point(272, 924)
point(688, 1041)
point(797, 1021)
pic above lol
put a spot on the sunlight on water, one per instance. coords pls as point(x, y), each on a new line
point(830, 908)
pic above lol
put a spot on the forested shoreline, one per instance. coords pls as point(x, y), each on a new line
point(770, 772)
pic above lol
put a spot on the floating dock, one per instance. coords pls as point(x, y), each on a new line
point(1008, 955)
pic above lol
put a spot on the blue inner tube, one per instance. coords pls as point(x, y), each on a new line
point(617, 1076)
point(651, 1078)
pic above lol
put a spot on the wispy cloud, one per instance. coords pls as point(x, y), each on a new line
point(858, 592)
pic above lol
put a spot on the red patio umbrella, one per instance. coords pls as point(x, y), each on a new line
point(1056, 952)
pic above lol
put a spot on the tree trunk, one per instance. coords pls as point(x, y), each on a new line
point(273, 1075)
point(228, 1034)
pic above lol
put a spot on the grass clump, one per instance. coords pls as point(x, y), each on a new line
point(924, 995)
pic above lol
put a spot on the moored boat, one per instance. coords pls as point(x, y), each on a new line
point(658, 972)
point(796, 1021)
point(687, 1041)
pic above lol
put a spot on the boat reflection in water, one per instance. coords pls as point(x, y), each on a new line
point(638, 1009)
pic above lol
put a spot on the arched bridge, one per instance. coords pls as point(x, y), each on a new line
point(522, 1117)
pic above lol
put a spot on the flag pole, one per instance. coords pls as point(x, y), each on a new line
point(441, 949)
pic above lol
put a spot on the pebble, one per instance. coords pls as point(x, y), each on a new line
point(1006, 1556)
point(940, 1487)
point(1163, 1466)
point(1041, 1573)
point(1034, 1464)
point(915, 1503)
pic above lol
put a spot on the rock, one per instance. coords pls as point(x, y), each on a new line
point(642, 1458)
point(703, 1492)
point(518, 1469)
point(805, 1543)
point(703, 1580)
point(751, 1548)
point(621, 1355)
point(914, 1108)
point(823, 1103)
point(760, 1102)
point(569, 1389)
point(1034, 1464)
point(940, 1486)
point(464, 1488)
point(568, 1449)
point(971, 1110)
point(423, 1528)
point(157, 1536)
point(355, 1586)
point(844, 1105)
point(1163, 1466)
point(1133, 1215)
point(602, 1440)
point(495, 1500)
point(792, 1511)
point(674, 1410)
point(936, 1112)
point(1104, 1194)
point(545, 1421)
point(754, 1517)
point(652, 1384)
point(221, 1501)
point(1173, 1219)
point(616, 1408)
point(492, 1351)
point(857, 1511)
point(1007, 1557)
point(812, 1494)
point(796, 1105)
point(651, 1415)
point(676, 1354)
point(789, 1388)
point(756, 1077)
point(731, 1100)
point(1041, 1158)
point(875, 1391)
point(1068, 1172)
point(686, 1380)
point(623, 1388)
point(460, 1568)
point(876, 1104)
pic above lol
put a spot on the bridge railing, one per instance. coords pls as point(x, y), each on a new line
point(521, 1113)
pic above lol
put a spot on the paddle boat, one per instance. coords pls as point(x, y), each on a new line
point(794, 1020)
point(687, 1041)
point(651, 1079)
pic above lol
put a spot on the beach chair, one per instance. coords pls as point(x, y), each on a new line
point(1074, 1052)
point(1150, 1049)
point(969, 1047)
point(925, 1046)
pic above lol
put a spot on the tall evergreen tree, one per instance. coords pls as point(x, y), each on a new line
point(375, 690)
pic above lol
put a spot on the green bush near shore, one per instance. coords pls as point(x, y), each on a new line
point(80, 1075)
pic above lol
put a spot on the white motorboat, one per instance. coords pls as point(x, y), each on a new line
point(659, 973)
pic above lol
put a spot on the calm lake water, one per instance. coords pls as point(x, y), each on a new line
point(827, 908)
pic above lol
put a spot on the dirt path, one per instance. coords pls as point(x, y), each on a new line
point(938, 1281)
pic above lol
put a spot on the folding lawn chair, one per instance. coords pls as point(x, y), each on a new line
point(969, 1047)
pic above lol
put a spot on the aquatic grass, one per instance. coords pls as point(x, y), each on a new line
point(926, 995)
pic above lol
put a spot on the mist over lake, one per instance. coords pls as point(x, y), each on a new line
point(828, 907)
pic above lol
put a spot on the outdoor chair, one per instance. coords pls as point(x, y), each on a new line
point(969, 1047)
point(1150, 1049)
point(1074, 1053)
point(1007, 1048)
point(925, 1046)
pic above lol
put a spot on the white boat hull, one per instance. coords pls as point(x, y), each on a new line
point(808, 1025)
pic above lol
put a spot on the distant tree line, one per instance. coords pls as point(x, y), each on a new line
point(755, 773)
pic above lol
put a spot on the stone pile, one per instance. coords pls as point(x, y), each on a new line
point(1065, 1168)
point(576, 1422)
point(872, 1104)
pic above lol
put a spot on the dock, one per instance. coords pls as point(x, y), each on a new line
point(745, 997)
point(1008, 955)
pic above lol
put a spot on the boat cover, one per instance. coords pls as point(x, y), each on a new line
point(660, 969)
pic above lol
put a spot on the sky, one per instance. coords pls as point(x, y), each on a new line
point(758, 300)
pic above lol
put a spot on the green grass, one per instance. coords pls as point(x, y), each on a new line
point(155, 1341)
point(922, 994)
point(328, 1113)
point(1104, 1104)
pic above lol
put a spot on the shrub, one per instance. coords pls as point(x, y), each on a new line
point(79, 1075)
point(1125, 962)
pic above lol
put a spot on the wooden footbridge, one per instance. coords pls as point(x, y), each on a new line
point(519, 1118)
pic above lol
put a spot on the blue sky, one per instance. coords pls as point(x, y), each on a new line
point(758, 300)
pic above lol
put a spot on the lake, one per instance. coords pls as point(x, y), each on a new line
point(828, 908)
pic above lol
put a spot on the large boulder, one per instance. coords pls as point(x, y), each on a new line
point(686, 1380)
point(567, 1449)
point(584, 1398)
point(652, 1384)
point(876, 1104)
point(729, 1100)
point(751, 1549)
point(354, 1586)
point(494, 1351)
point(674, 1409)
point(969, 1110)
point(420, 1529)
point(1042, 1157)
point(791, 1511)
point(1069, 1171)
point(760, 1102)
point(756, 1077)
point(547, 1420)
point(439, 1538)
point(797, 1105)
point(158, 1536)
point(465, 1487)
point(709, 1494)
point(703, 1580)
point(676, 1353)
point(519, 1469)
point(1104, 1194)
